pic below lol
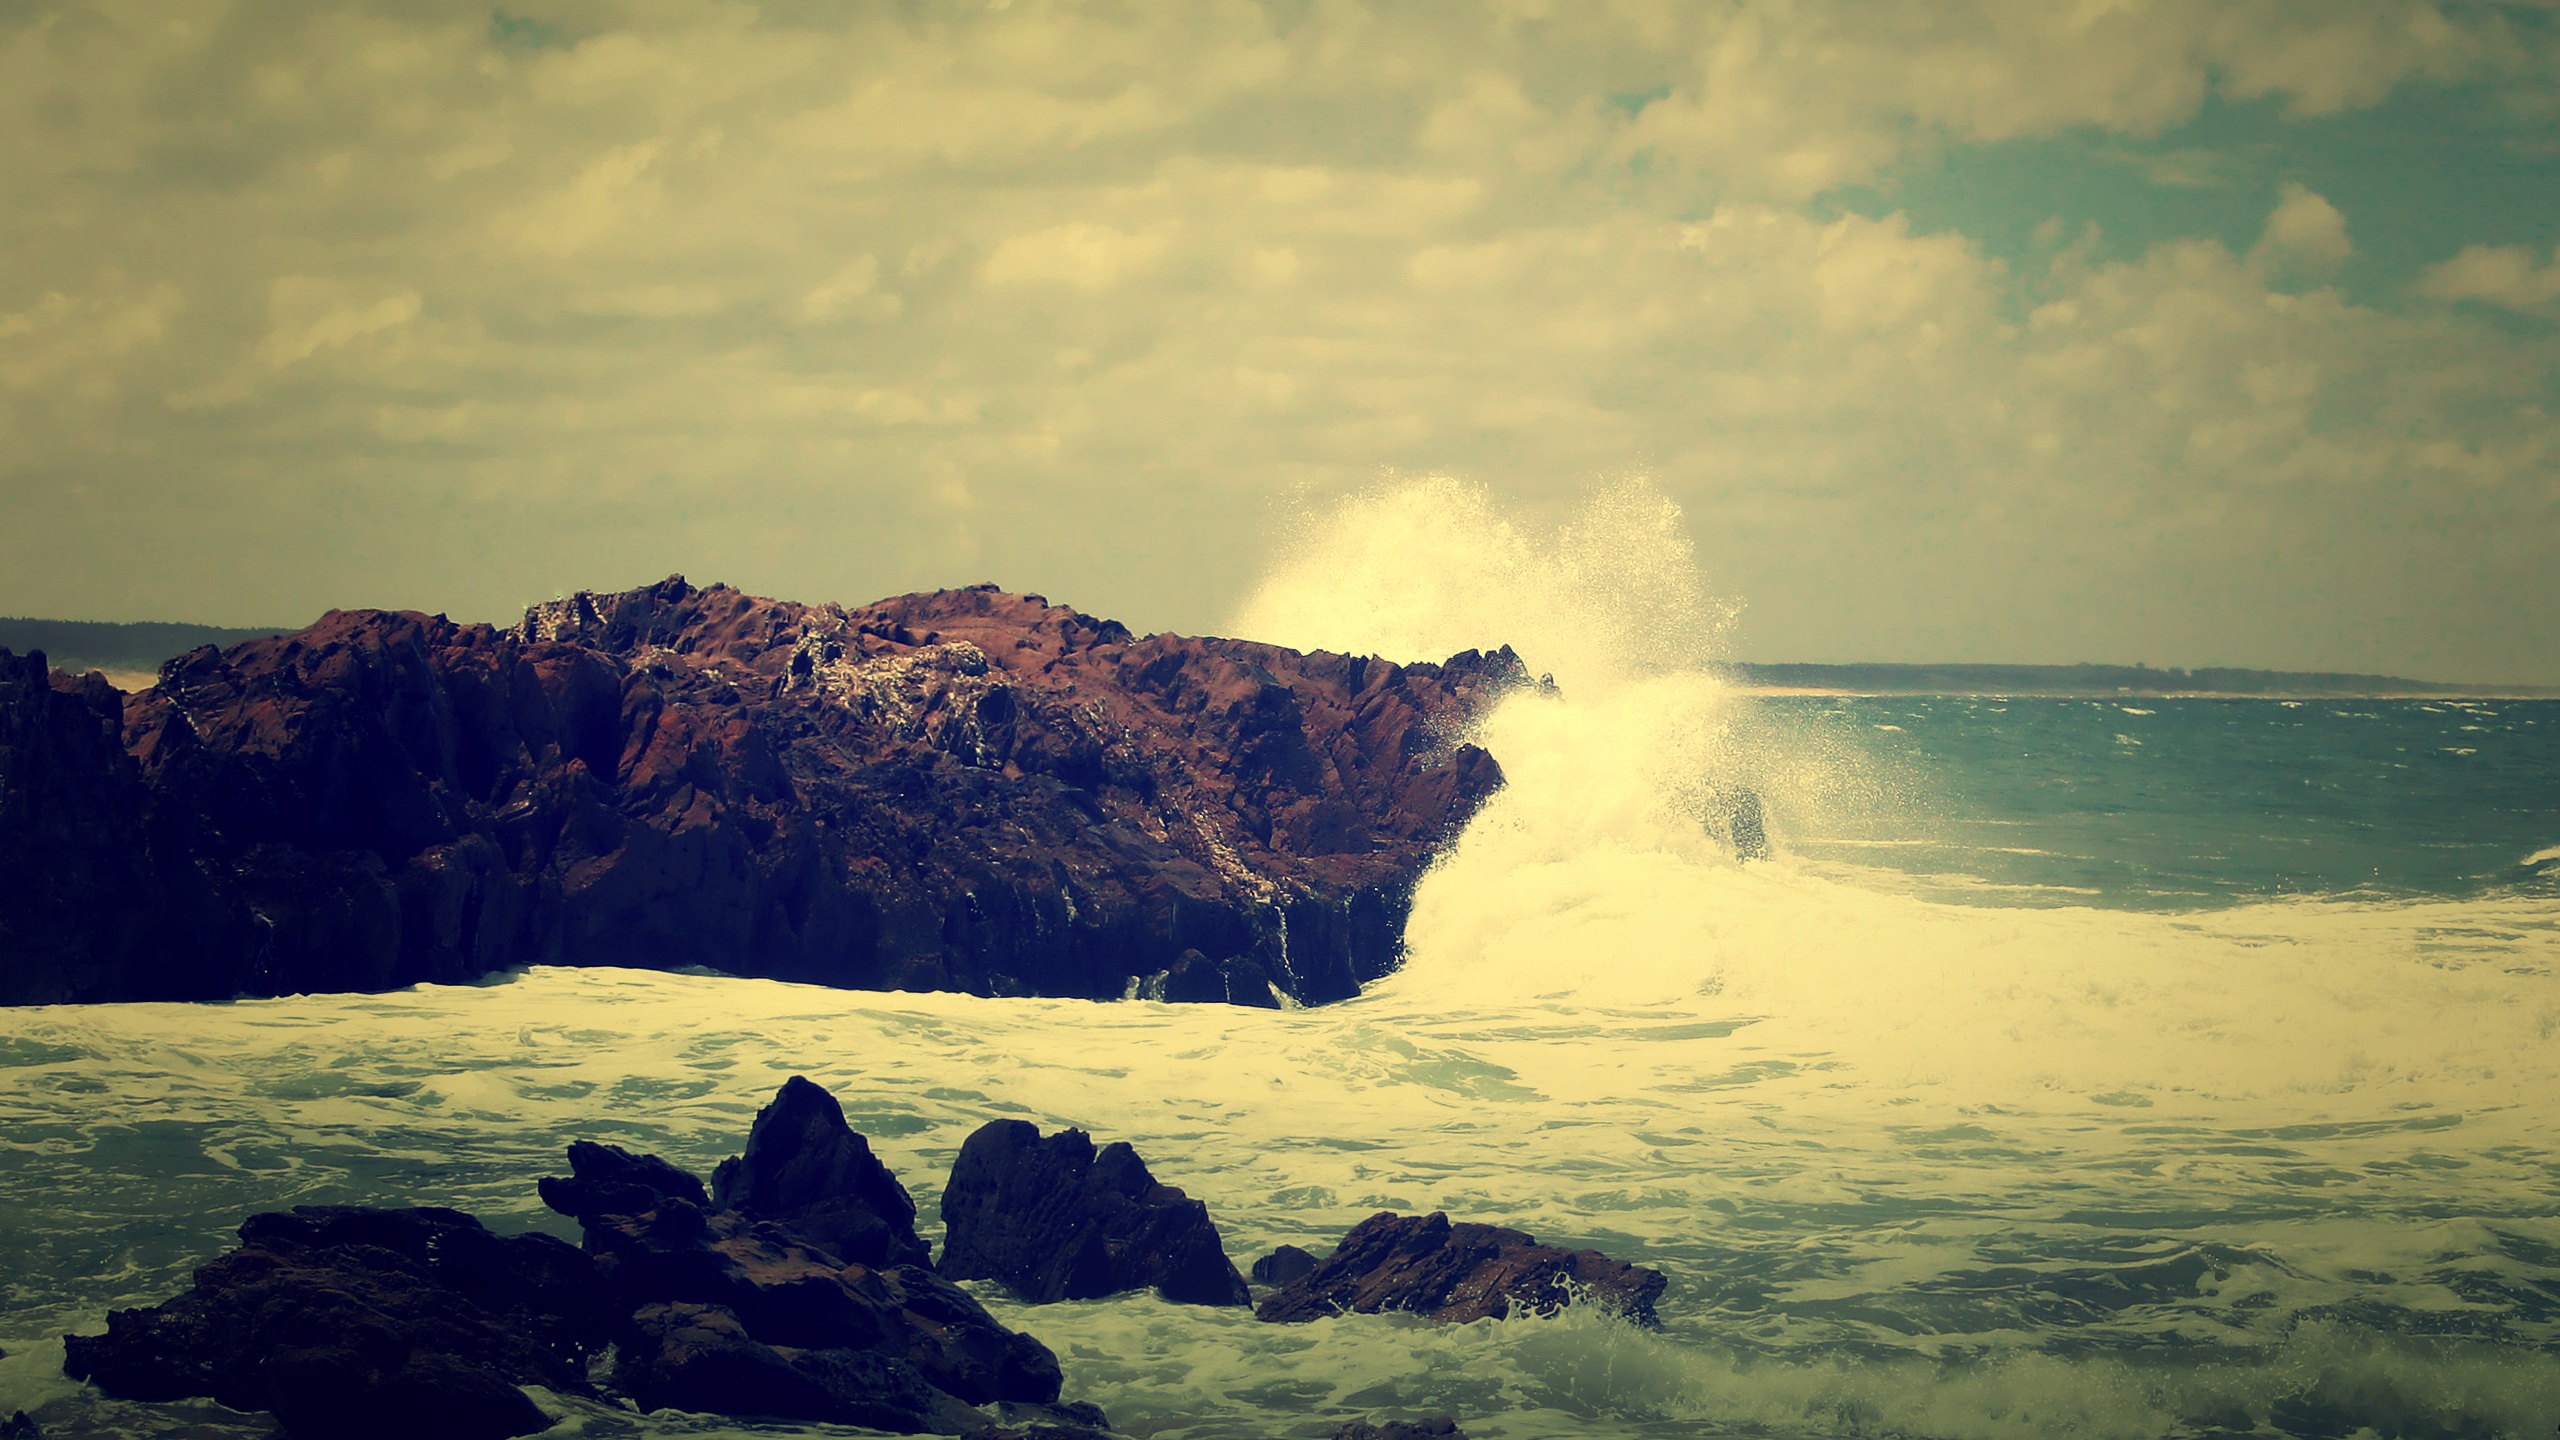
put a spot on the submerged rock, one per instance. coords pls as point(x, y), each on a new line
point(349, 1323)
point(962, 790)
point(1053, 1220)
point(805, 1168)
point(1458, 1272)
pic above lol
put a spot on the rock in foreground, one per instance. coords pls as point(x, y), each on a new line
point(807, 1170)
point(1053, 1220)
point(1458, 1272)
point(963, 790)
point(351, 1324)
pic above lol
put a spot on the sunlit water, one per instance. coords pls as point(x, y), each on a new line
point(2037, 1087)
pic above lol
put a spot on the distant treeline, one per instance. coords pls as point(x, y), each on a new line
point(99, 645)
point(2097, 680)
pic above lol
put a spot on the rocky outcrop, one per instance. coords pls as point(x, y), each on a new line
point(962, 790)
point(1053, 1220)
point(350, 1323)
point(347, 1321)
point(806, 1169)
point(1458, 1272)
point(74, 861)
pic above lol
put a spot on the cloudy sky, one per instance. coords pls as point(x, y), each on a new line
point(2181, 331)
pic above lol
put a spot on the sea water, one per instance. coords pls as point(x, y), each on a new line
point(2125, 1067)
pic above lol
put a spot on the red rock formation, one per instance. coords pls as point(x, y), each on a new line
point(959, 790)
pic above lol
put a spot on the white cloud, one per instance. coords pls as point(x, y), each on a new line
point(1069, 296)
point(306, 315)
point(1084, 255)
point(2305, 235)
point(2507, 275)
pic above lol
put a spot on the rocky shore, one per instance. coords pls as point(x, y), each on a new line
point(965, 790)
point(794, 1287)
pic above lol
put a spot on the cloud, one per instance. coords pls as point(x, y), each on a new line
point(2305, 235)
point(835, 304)
point(1083, 255)
point(306, 316)
point(2507, 275)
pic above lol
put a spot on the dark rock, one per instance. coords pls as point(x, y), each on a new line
point(609, 1180)
point(1282, 1266)
point(962, 790)
point(1434, 1427)
point(1053, 1221)
point(686, 1356)
point(806, 1169)
point(74, 858)
point(789, 1294)
point(1456, 1273)
point(1066, 1420)
point(350, 1323)
point(20, 1426)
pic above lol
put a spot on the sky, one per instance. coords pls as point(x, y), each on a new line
point(2186, 332)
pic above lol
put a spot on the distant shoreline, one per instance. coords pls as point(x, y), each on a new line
point(2103, 682)
point(131, 655)
point(2517, 692)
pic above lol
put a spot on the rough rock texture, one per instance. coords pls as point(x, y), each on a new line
point(1456, 1273)
point(1053, 1220)
point(806, 1168)
point(350, 1323)
point(74, 866)
point(1282, 1265)
point(959, 790)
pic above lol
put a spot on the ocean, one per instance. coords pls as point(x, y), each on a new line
point(2127, 1067)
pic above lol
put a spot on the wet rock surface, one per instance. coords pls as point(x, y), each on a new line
point(1456, 1272)
point(1053, 1219)
point(963, 790)
point(349, 1322)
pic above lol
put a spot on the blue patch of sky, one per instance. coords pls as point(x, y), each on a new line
point(522, 32)
point(2418, 177)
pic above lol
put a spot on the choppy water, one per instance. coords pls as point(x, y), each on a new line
point(2072, 1071)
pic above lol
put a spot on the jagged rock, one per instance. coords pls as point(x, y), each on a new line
point(1282, 1265)
point(1434, 1427)
point(609, 1180)
point(1053, 1220)
point(782, 1290)
point(1456, 1273)
point(805, 1168)
point(961, 790)
point(351, 1323)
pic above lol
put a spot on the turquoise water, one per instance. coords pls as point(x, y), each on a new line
point(2188, 803)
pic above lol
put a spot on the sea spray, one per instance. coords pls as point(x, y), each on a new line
point(1915, 1169)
